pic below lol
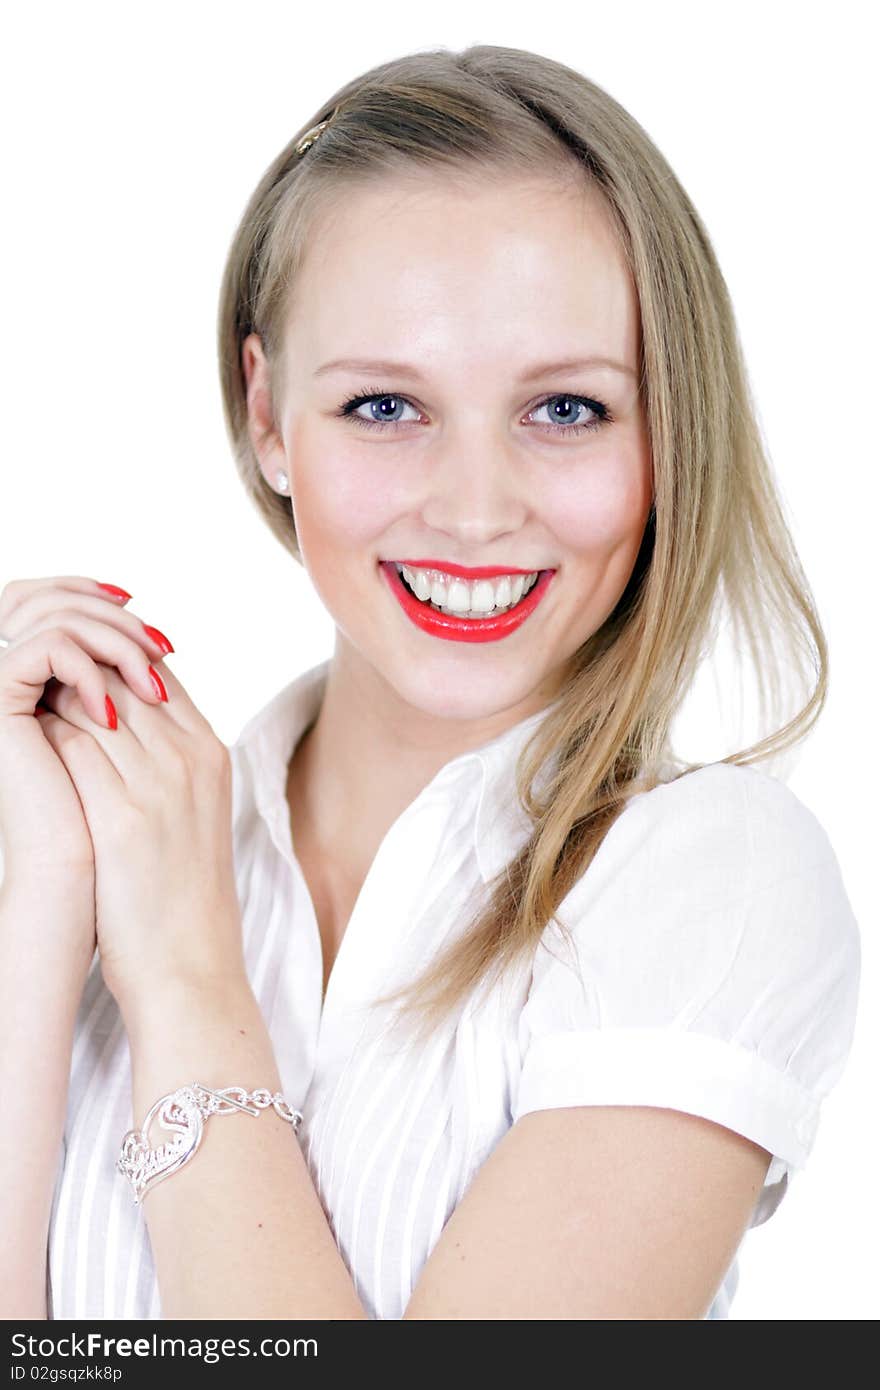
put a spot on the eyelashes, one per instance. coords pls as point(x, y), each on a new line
point(598, 409)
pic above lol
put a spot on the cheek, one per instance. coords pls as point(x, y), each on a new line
point(600, 505)
point(339, 503)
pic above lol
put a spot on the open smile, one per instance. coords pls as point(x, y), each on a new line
point(442, 621)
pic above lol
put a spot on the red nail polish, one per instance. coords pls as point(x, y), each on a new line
point(114, 590)
point(158, 683)
point(112, 721)
point(159, 638)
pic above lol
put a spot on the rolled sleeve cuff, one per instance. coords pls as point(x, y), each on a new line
point(679, 1070)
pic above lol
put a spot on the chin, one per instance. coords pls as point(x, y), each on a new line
point(460, 684)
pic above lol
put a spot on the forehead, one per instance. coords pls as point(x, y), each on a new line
point(464, 264)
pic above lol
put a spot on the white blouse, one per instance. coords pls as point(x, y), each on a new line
point(718, 974)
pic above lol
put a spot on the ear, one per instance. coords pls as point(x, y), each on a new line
point(266, 441)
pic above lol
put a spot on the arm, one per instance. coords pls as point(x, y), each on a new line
point(618, 1212)
point(606, 1212)
point(38, 1007)
point(239, 1231)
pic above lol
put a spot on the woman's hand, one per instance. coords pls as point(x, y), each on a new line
point(58, 629)
point(157, 794)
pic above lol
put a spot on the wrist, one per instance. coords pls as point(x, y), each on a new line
point(212, 1032)
point(44, 934)
point(174, 1004)
point(48, 893)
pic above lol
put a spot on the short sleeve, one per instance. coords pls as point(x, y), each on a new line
point(716, 968)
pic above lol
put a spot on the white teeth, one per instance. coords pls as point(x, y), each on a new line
point(477, 599)
point(421, 584)
point(458, 600)
point(482, 597)
point(503, 595)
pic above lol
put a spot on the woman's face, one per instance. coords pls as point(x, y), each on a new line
point(475, 450)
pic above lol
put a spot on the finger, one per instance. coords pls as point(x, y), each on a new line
point(53, 607)
point(150, 750)
point(93, 774)
point(106, 643)
point(137, 744)
point(16, 591)
point(27, 666)
point(179, 709)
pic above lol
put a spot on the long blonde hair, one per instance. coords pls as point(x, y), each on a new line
point(716, 540)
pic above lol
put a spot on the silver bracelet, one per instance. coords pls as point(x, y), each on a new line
point(184, 1112)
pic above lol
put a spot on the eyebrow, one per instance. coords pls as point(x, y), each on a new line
point(404, 369)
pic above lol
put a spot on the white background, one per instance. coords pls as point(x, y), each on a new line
point(133, 136)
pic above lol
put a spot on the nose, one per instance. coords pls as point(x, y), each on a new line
point(475, 490)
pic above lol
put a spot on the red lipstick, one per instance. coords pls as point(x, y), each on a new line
point(456, 629)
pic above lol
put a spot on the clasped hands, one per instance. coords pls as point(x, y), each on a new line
point(156, 794)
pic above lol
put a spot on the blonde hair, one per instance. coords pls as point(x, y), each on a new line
point(716, 539)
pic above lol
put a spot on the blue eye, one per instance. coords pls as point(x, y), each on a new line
point(596, 409)
point(383, 398)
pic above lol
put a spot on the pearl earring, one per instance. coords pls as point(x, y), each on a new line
point(281, 482)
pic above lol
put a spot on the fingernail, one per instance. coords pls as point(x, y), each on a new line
point(115, 590)
point(112, 721)
point(158, 683)
point(159, 638)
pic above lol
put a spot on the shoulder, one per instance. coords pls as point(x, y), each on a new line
point(724, 796)
point(709, 959)
point(715, 885)
point(734, 826)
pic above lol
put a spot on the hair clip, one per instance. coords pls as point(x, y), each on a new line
point(311, 136)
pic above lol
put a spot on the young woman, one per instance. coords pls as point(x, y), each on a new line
point(541, 1015)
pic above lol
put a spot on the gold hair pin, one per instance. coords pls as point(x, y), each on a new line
point(311, 136)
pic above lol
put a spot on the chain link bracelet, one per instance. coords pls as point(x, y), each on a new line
point(184, 1113)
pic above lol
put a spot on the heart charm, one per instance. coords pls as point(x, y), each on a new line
point(182, 1114)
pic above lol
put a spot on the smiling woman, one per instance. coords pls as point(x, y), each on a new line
point(544, 993)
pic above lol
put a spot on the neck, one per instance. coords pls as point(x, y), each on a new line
point(370, 753)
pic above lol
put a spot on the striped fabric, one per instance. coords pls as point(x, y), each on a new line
point(393, 1137)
